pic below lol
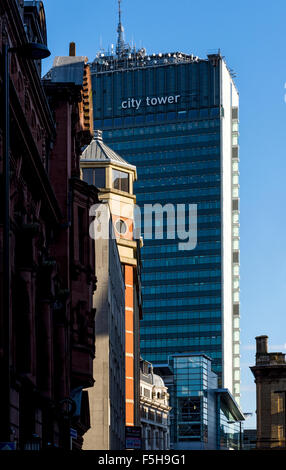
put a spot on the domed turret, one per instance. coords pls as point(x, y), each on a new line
point(114, 177)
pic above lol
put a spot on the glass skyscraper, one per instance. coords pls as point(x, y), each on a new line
point(175, 116)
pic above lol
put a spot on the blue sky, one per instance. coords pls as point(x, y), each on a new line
point(251, 35)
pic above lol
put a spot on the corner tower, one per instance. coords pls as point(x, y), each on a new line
point(114, 178)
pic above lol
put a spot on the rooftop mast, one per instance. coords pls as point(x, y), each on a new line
point(120, 31)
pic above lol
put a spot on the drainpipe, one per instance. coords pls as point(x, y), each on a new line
point(218, 421)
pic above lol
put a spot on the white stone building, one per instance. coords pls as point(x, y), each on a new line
point(154, 409)
point(107, 397)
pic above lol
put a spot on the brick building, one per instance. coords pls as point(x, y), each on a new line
point(46, 359)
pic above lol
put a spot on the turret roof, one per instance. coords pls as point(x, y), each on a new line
point(98, 151)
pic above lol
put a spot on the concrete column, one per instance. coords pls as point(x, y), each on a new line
point(144, 437)
point(165, 441)
point(149, 443)
point(154, 438)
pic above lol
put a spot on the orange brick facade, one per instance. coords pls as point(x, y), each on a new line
point(129, 345)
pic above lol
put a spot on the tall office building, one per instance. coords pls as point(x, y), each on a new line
point(175, 116)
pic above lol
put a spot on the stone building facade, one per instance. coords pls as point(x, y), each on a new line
point(154, 409)
point(107, 397)
point(270, 378)
point(46, 357)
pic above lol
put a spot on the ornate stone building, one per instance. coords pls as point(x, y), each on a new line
point(154, 409)
point(270, 378)
point(46, 317)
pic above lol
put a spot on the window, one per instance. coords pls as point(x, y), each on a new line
point(236, 351)
point(235, 244)
point(128, 120)
point(107, 122)
point(235, 166)
point(95, 176)
point(235, 179)
point(120, 180)
point(99, 177)
point(214, 112)
point(121, 227)
point(234, 140)
point(204, 112)
point(81, 235)
point(235, 231)
point(87, 174)
point(139, 119)
point(147, 393)
point(190, 409)
point(118, 121)
point(235, 218)
point(237, 375)
point(235, 126)
point(280, 432)
point(149, 437)
point(157, 438)
point(236, 285)
point(190, 432)
point(236, 335)
point(236, 362)
point(235, 192)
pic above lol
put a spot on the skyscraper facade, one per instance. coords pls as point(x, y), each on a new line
point(175, 116)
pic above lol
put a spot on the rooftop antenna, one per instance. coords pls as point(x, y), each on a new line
point(120, 31)
point(100, 44)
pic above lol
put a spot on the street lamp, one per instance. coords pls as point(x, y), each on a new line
point(246, 415)
point(240, 431)
point(33, 51)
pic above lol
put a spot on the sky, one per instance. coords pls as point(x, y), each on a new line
point(251, 36)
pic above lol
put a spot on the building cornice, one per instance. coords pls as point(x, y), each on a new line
point(153, 404)
point(35, 85)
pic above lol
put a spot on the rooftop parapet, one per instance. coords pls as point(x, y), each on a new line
point(263, 357)
point(138, 59)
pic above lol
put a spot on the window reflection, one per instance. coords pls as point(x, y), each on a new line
point(95, 176)
point(120, 180)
